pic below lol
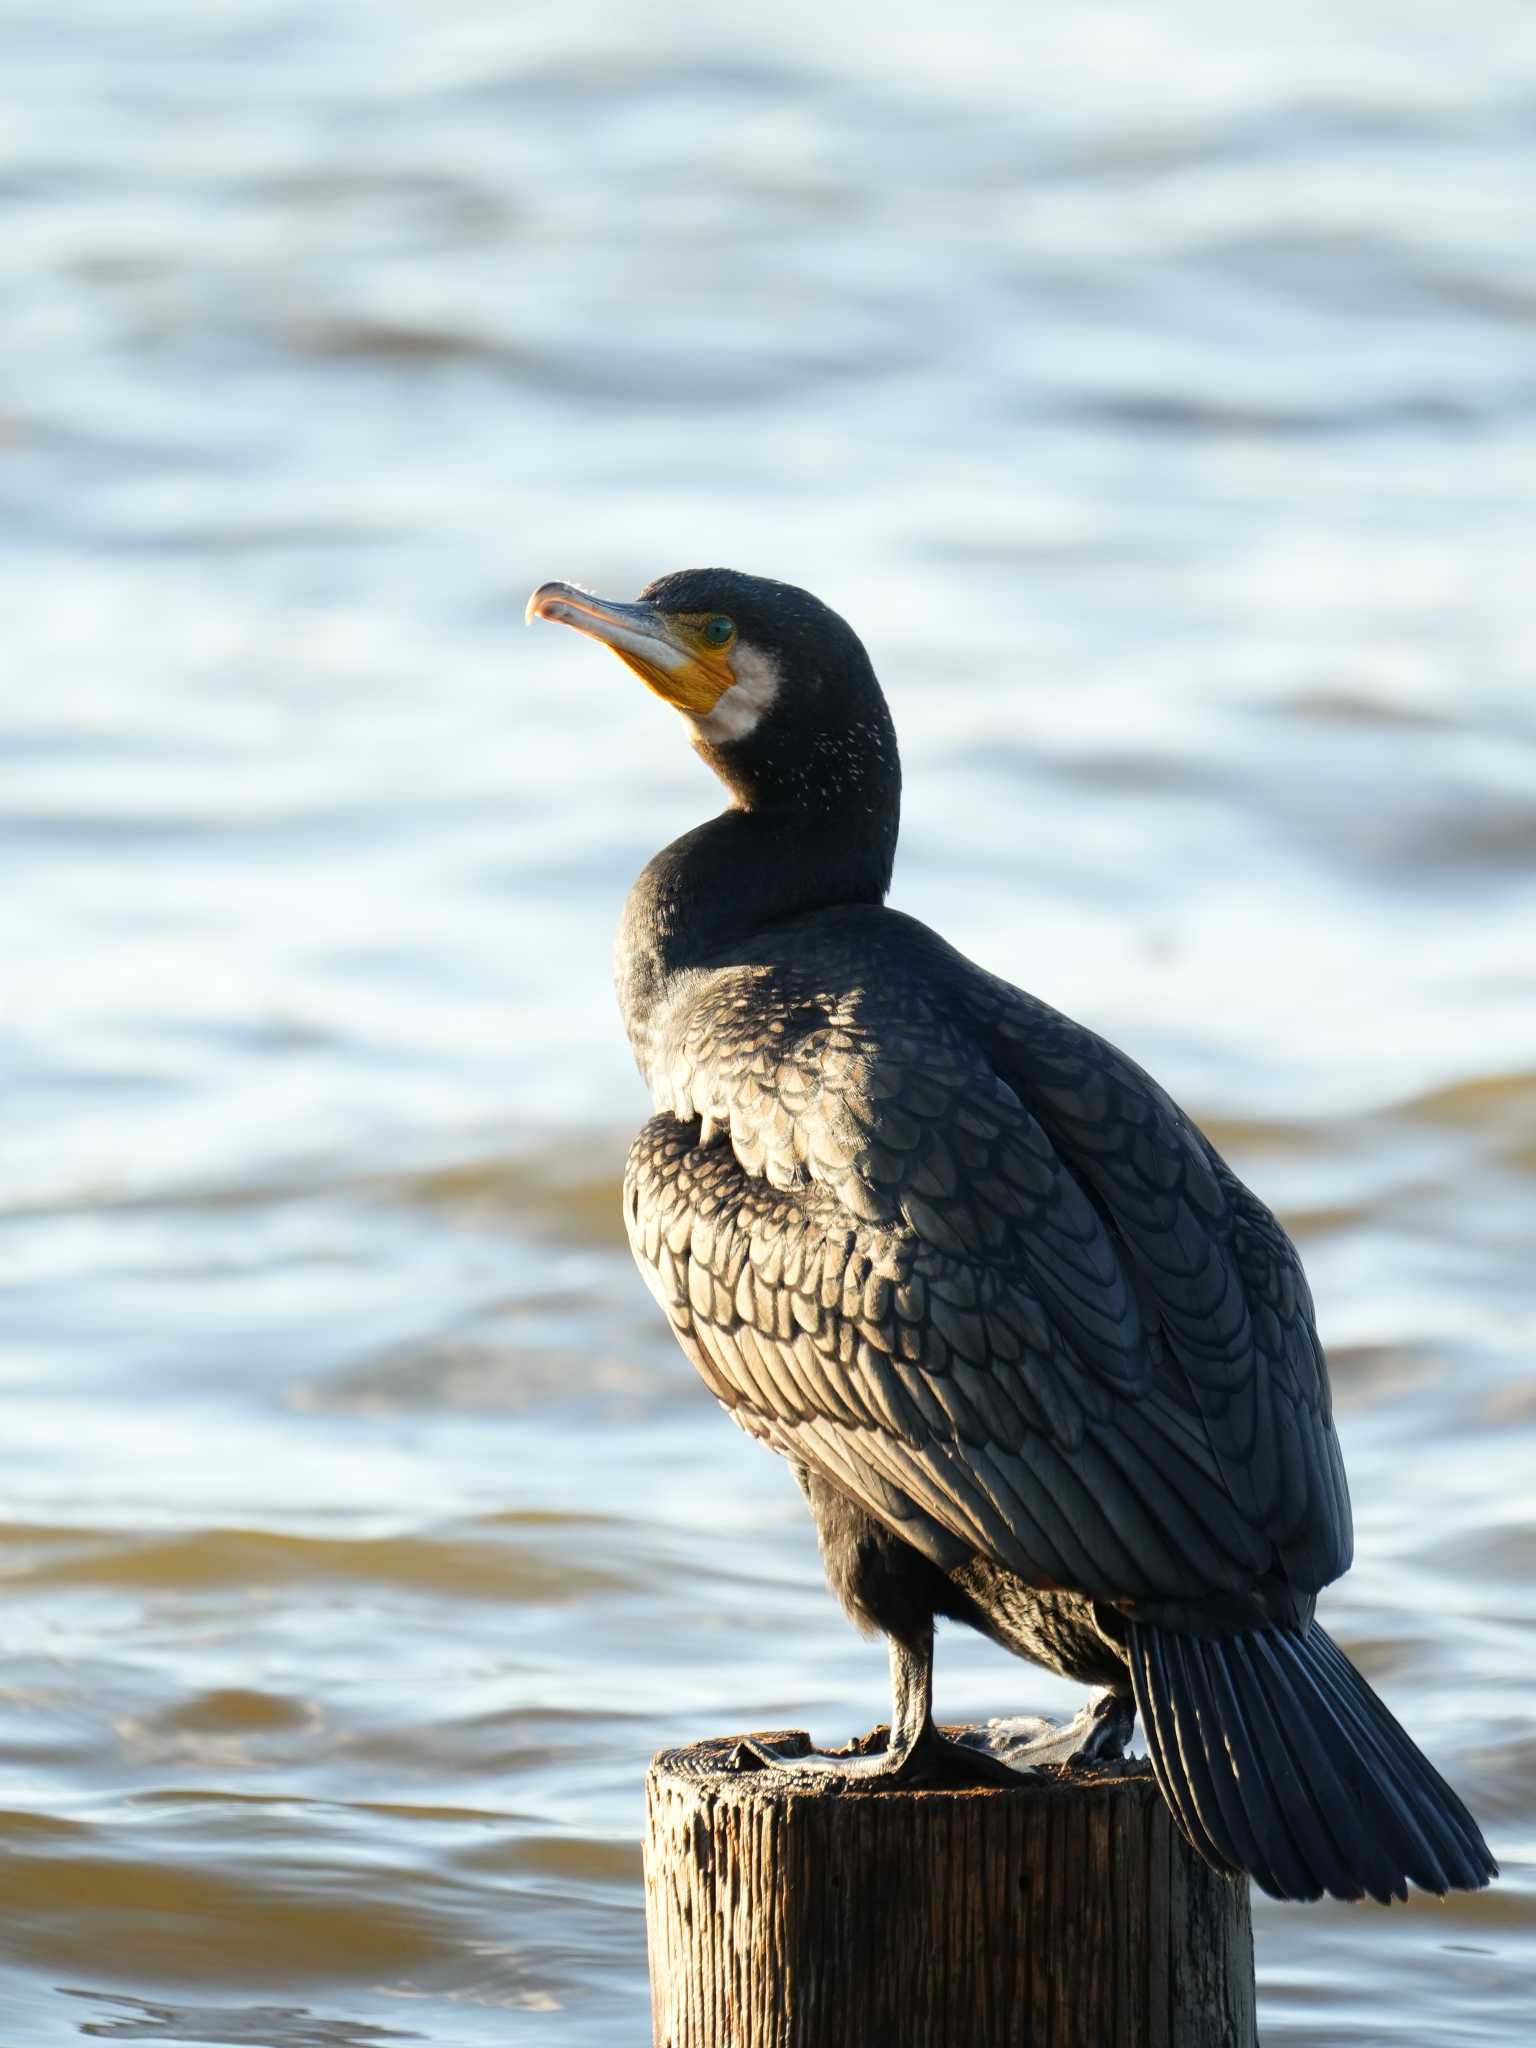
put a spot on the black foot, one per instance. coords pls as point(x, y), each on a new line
point(1097, 1735)
point(933, 1762)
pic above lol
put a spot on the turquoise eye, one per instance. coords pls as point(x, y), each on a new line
point(718, 630)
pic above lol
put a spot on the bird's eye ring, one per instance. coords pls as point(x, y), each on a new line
point(718, 630)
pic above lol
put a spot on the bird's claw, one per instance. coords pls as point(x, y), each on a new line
point(1097, 1735)
point(934, 1761)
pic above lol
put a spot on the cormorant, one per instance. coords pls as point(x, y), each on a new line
point(1040, 1361)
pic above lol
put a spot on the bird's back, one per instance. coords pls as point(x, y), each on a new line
point(938, 1242)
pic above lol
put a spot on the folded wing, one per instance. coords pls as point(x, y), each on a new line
point(961, 1257)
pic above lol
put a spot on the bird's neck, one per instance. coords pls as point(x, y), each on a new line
point(703, 900)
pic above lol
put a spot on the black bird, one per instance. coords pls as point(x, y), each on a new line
point(1040, 1361)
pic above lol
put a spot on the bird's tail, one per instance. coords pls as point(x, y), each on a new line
point(1277, 1758)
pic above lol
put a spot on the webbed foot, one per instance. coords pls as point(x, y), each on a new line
point(1095, 1736)
point(933, 1761)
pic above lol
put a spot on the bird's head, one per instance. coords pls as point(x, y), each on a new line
point(776, 689)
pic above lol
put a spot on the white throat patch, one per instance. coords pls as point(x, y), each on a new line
point(745, 703)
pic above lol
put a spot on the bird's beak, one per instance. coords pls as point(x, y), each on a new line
point(662, 650)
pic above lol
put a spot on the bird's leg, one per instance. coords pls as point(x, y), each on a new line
point(911, 1698)
point(915, 1752)
point(1110, 1718)
point(1096, 1735)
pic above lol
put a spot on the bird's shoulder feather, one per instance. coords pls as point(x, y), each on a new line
point(970, 1261)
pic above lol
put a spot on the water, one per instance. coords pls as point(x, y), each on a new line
point(1156, 392)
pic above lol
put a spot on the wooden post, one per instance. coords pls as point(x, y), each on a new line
point(1069, 1913)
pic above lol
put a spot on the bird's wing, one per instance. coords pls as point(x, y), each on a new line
point(888, 1266)
point(1215, 1272)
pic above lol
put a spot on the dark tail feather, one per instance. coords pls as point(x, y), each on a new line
point(1276, 1757)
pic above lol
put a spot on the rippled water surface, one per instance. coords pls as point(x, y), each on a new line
point(1156, 390)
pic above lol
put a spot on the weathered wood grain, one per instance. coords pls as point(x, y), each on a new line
point(1066, 1913)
